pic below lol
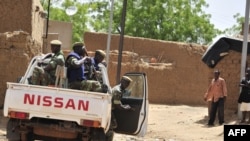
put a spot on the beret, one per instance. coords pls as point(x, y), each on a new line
point(55, 42)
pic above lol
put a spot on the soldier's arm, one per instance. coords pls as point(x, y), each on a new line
point(74, 62)
point(59, 60)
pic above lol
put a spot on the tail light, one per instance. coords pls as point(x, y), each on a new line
point(90, 123)
point(19, 115)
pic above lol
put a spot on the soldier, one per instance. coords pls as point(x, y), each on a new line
point(91, 67)
point(76, 70)
point(75, 67)
point(118, 92)
point(45, 75)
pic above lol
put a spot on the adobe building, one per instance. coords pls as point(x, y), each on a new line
point(29, 16)
point(26, 15)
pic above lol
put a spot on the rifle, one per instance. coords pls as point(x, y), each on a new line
point(91, 66)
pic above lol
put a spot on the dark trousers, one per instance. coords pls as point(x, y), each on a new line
point(218, 105)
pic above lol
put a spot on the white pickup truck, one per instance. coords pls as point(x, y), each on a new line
point(62, 114)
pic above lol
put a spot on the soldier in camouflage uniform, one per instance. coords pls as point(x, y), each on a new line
point(92, 69)
point(45, 75)
point(75, 63)
point(118, 92)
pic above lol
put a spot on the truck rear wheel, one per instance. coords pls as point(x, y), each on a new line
point(24, 137)
point(98, 135)
point(12, 134)
point(110, 135)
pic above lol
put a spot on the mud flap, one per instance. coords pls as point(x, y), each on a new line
point(12, 133)
point(98, 135)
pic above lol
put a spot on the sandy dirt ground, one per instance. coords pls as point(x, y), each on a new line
point(173, 123)
point(182, 123)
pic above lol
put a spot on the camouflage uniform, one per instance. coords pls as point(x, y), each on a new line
point(87, 85)
point(91, 85)
point(116, 99)
point(81, 82)
point(42, 77)
point(117, 94)
point(91, 67)
point(77, 76)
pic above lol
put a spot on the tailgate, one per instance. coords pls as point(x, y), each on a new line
point(57, 103)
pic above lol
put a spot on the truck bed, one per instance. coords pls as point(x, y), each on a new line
point(57, 103)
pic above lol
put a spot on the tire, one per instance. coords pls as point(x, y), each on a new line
point(109, 135)
point(12, 135)
point(28, 137)
point(98, 135)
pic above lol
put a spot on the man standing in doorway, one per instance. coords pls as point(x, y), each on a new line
point(217, 91)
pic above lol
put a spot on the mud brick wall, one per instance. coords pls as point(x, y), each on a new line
point(16, 51)
point(182, 82)
point(230, 67)
point(180, 78)
point(21, 15)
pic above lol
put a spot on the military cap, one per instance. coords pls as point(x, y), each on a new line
point(56, 42)
point(100, 52)
point(78, 44)
point(126, 78)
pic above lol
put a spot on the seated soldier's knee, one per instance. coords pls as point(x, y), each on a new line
point(85, 85)
point(38, 70)
point(91, 85)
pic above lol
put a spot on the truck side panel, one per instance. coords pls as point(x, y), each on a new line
point(57, 103)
